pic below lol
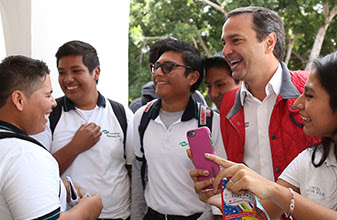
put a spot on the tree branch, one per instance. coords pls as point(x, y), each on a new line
point(153, 38)
point(216, 6)
point(204, 47)
point(291, 44)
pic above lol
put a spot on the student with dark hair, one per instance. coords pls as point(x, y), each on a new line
point(161, 144)
point(307, 188)
point(88, 139)
point(218, 78)
point(30, 186)
point(148, 90)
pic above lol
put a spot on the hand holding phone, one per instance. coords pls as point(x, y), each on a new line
point(200, 141)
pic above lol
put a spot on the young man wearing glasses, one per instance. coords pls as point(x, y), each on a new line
point(168, 192)
point(148, 90)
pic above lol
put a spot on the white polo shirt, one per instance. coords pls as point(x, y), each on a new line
point(316, 184)
point(257, 154)
point(30, 186)
point(101, 169)
point(170, 189)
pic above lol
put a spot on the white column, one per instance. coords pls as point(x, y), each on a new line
point(16, 22)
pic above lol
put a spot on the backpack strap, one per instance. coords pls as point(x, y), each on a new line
point(121, 117)
point(55, 115)
point(20, 136)
point(205, 116)
point(144, 121)
point(26, 138)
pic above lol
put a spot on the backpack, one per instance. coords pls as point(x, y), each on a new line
point(20, 136)
point(205, 118)
point(118, 109)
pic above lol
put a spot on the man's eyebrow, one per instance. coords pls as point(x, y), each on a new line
point(229, 37)
point(72, 67)
point(216, 81)
point(307, 88)
point(219, 80)
point(234, 36)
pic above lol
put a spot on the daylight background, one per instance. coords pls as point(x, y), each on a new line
point(310, 27)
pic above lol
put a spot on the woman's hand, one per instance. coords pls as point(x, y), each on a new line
point(241, 178)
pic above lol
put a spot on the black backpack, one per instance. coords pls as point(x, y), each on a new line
point(205, 118)
point(116, 107)
point(20, 136)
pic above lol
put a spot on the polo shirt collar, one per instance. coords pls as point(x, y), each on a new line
point(274, 85)
point(190, 112)
point(331, 159)
point(69, 105)
point(10, 127)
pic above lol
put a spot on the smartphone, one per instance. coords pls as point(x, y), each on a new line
point(200, 141)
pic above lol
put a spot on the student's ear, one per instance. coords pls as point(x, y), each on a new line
point(270, 42)
point(17, 98)
point(150, 67)
point(96, 73)
point(193, 77)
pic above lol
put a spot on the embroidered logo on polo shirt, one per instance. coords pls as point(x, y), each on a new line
point(183, 143)
point(314, 190)
point(111, 134)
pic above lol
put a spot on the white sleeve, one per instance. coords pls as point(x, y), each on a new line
point(44, 137)
point(129, 150)
point(32, 183)
point(293, 171)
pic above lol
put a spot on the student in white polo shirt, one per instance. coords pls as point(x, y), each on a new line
point(88, 139)
point(30, 185)
point(169, 191)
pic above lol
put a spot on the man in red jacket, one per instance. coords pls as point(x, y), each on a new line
point(261, 129)
point(259, 125)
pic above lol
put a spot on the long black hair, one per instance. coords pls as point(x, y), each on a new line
point(326, 69)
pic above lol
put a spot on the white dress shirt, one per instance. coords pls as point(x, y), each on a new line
point(257, 154)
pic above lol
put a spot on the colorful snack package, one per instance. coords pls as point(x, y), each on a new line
point(240, 207)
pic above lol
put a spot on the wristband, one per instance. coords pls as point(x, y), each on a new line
point(292, 205)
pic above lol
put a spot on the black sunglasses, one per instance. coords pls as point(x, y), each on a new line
point(166, 67)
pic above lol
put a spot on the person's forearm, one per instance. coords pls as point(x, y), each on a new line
point(90, 209)
point(304, 208)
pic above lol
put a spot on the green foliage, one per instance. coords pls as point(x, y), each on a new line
point(188, 20)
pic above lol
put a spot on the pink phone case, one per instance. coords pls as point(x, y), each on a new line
point(200, 142)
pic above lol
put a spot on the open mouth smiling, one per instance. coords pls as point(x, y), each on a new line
point(234, 63)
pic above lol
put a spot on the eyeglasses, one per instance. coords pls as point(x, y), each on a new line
point(166, 67)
